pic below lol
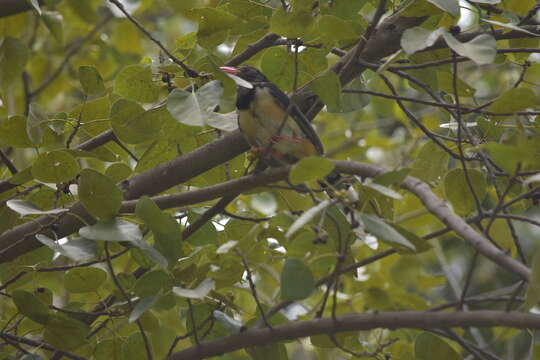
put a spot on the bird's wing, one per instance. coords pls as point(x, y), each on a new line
point(295, 112)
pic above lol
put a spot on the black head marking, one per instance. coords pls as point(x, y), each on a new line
point(251, 74)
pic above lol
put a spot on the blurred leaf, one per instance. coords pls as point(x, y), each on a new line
point(195, 108)
point(385, 232)
point(516, 99)
point(29, 305)
point(13, 132)
point(418, 38)
point(459, 193)
point(118, 172)
point(427, 344)
point(232, 326)
point(395, 177)
point(278, 65)
point(214, 24)
point(78, 249)
point(297, 281)
point(307, 216)
point(91, 81)
point(328, 88)
point(112, 230)
point(53, 21)
point(132, 124)
point(24, 207)
point(310, 168)
point(84, 10)
point(134, 82)
point(99, 194)
point(55, 167)
point(13, 58)
point(85, 279)
point(35, 5)
point(141, 307)
point(37, 118)
point(199, 292)
point(532, 296)
point(65, 333)
point(166, 230)
point(296, 24)
point(334, 28)
point(482, 49)
point(431, 163)
point(450, 6)
point(349, 102)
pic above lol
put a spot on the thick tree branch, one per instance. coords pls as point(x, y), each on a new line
point(12, 7)
point(357, 322)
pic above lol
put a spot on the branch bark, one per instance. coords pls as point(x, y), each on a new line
point(357, 322)
point(12, 7)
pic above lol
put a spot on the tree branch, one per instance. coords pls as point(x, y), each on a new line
point(358, 322)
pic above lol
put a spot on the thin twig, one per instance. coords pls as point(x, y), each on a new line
point(189, 71)
point(253, 288)
point(69, 53)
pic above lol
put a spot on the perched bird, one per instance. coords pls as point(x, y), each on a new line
point(270, 123)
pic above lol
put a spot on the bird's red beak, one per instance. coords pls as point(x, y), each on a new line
point(229, 70)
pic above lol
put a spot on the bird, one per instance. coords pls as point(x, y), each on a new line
point(272, 125)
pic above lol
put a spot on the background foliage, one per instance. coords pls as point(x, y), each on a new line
point(129, 228)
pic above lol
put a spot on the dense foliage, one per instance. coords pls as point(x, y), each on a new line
point(131, 226)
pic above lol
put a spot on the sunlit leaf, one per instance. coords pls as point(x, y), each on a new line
point(198, 292)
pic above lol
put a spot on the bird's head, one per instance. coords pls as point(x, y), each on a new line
point(245, 72)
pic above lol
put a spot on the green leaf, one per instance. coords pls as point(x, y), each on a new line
point(214, 24)
point(84, 10)
point(135, 82)
point(450, 6)
point(418, 38)
point(65, 333)
point(132, 124)
point(334, 28)
point(91, 81)
point(205, 235)
point(112, 230)
point(141, 307)
point(53, 21)
point(198, 292)
point(297, 281)
point(533, 288)
point(78, 249)
point(296, 24)
point(310, 168)
point(187, 41)
point(194, 109)
point(307, 216)
point(118, 172)
point(459, 193)
point(431, 163)
point(13, 132)
point(25, 207)
point(278, 65)
point(349, 102)
point(166, 230)
point(275, 351)
point(37, 117)
point(482, 49)
point(230, 324)
point(55, 167)
point(29, 305)
point(328, 88)
point(13, 58)
point(99, 194)
point(395, 177)
point(427, 344)
point(516, 99)
point(385, 232)
point(84, 279)
point(152, 283)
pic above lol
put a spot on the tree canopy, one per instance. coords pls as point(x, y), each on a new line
point(132, 224)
